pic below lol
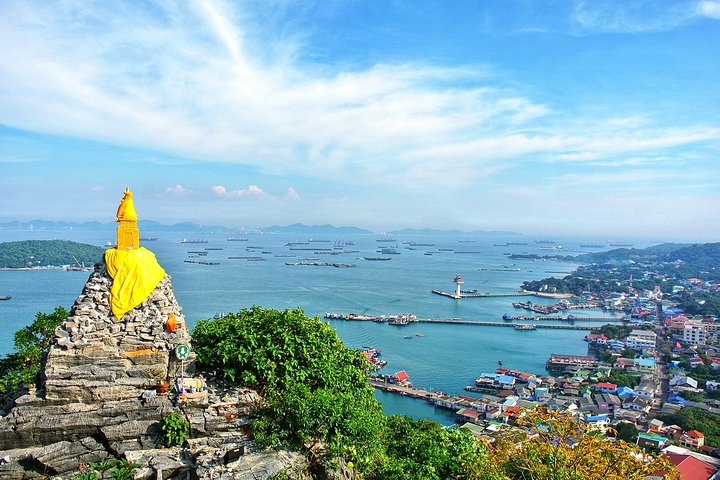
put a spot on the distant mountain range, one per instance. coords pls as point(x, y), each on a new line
point(299, 228)
point(144, 225)
point(431, 231)
point(315, 229)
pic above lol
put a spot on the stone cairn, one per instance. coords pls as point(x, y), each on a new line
point(98, 399)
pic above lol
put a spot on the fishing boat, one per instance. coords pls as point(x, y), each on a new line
point(5, 297)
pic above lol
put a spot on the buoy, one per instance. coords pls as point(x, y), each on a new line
point(171, 323)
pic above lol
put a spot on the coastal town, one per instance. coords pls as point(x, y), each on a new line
point(652, 379)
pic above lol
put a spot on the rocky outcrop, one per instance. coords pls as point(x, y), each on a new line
point(98, 400)
point(96, 357)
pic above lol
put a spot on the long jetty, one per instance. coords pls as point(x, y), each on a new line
point(458, 321)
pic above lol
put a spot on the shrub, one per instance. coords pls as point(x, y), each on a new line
point(175, 428)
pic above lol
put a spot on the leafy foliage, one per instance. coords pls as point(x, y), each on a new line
point(696, 419)
point(562, 449)
point(622, 379)
point(20, 368)
point(109, 468)
point(33, 253)
point(422, 449)
point(316, 389)
point(175, 428)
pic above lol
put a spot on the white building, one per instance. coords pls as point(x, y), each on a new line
point(694, 333)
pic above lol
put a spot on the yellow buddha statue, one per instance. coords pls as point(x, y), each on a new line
point(128, 234)
point(134, 269)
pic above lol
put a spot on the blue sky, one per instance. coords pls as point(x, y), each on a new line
point(596, 118)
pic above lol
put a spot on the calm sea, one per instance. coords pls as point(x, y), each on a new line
point(447, 357)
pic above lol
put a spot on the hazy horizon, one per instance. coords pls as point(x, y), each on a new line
point(595, 119)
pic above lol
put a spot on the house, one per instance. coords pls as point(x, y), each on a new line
point(615, 344)
point(605, 387)
point(504, 381)
point(714, 363)
point(596, 338)
point(597, 423)
point(673, 431)
point(626, 415)
point(711, 385)
point(692, 438)
point(401, 377)
point(683, 381)
point(469, 415)
point(655, 426)
point(646, 392)
point(644, 365)
point(624, 392)
point(493, 413)
point(637, 404)
point(651, 440)
point(691, 468)
point(696, 361)
point(512, 414)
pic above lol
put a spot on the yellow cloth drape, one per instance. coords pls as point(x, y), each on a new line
point(135, 274)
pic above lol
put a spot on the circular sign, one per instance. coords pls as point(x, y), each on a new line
point(182, 351)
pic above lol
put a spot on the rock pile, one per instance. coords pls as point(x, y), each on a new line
point(98, 400)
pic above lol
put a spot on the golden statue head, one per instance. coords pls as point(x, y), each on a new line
point(126, 209)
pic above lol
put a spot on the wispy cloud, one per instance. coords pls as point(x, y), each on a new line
point(177, 190)
point(590, 16)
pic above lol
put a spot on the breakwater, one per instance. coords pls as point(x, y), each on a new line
point(522, 293)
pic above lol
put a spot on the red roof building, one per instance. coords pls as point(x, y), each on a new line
point(401, 376)
point(691, 468)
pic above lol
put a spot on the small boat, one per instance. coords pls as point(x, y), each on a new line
point(419, 334)
point(5, 297)
point(500, 363)
point(408, 337)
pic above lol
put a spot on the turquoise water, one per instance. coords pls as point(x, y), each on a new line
point(448, 357)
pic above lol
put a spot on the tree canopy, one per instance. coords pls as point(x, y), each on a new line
point(43, 253)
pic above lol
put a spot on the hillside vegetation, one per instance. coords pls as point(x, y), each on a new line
point(318, 402)
point(44, 253)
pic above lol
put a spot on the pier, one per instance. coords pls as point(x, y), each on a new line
point(475, 294)
point(456, 321)
point(569, 318)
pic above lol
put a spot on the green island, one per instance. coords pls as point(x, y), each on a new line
point(48, 254)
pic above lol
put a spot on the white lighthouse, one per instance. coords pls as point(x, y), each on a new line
point(458, 281)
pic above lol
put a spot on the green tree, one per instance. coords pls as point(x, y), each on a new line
point(626, 431)
point(315, 388)
point(424, 450)
point(21, 367)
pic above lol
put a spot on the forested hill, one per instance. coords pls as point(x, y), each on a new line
point(43, 253)
point(624, 254)
point(701, 259)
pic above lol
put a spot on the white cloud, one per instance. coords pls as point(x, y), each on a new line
point(710, 9)
point(177, 190)
point(251, 191)
point(292, 194)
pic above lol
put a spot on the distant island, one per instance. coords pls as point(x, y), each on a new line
point(48, 253)
point(315, 229)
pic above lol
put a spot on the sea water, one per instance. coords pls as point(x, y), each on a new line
point(445, 357)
